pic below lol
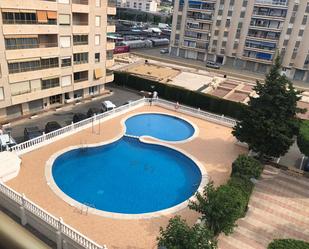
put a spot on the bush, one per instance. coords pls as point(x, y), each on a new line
point(288, 244)
point(179, 94)
point(303, 137)
point(178, 235)
point(246, 167)
point(79, 117)
point(243, 184)
point(221, 207)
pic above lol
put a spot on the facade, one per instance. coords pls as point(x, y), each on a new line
point(53, 52)
point(244, 34)
point(143, 5)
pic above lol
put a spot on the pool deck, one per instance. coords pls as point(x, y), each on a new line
point(214, 148)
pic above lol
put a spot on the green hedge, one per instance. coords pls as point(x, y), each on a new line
point(243, 184)
point(183, 96)
point(303, 137)
point(288, 244)
point(246, 167)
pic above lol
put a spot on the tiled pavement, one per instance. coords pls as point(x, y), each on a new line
point(278, 208)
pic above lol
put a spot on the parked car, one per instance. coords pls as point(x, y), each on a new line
point(212, 64)
point(32, 132)
point(164, 51)
point(52, 126)
point(6, 142)
point(306, 166)
point(79, 117)
point(127, 102)
point(108, 105)
point(92, 111)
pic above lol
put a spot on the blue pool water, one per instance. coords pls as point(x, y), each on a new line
point(164, 127)
point(127, 176)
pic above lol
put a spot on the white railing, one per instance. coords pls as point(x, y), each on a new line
point(45, 217)
point(67, 130)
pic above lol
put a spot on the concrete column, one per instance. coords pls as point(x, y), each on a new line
point(59, 234)
point(23, 216)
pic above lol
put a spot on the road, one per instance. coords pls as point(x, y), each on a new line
point(64, 117)
point(154, 53)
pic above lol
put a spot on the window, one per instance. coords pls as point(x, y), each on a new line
point(301, 32)
point(66, 80)
point(50, 83)
point(98, 21)
point(93, 90)
point(244, 3)
point(218, 23)
point(289, 31)
point(49, 63)
point(225, 33)
point(97, 40)
point(1, 93)
point(97, 3)
point(228, 23)
point(134, 5)
point(80, 76)
point(80, 58)
point(216, 32)
point(65, 41)
point(223, 44)
point(66, 62)
point(80, 40)
point(304, 22)
point(21, 43)
point(64, 19)
point(230, 13)
point(56, 99)
point(97, 57)
point(242, 14)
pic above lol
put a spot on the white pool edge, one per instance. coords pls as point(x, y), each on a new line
point(164, 212)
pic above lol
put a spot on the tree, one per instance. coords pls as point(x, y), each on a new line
point(178, 235)
point(246, 167)
point(221, 207)
point(269, 123)
point(303, 137)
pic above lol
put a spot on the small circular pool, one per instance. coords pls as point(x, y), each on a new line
point(127, 176)
point(161, 126)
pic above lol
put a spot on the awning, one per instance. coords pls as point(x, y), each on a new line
point(42, 16)
point(10, 10)
point(98, 73)
point(51, 14)
point(20, 36)
point(25, 60)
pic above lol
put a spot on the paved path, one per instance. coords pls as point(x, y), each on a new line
point(278, 208)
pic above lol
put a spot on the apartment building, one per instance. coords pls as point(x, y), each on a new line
point(143, 5)
point(53, 52)
point(244, 34)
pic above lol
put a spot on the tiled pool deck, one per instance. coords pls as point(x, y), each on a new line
point(214, 148)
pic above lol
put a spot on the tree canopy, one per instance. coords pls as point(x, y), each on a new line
point(303, 137)
point(269, 123)
point(179, 235)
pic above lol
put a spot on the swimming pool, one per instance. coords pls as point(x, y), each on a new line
point(161, 126)
point(128, 176)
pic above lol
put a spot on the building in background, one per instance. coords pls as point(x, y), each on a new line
point(53, 52)
point(143, 5)
point(244, 34)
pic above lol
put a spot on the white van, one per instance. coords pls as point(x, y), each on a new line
point(107, 106)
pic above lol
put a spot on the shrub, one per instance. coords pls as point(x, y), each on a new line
point(243, 184)
point(303, 137)
point(246, 167)
point(288, 244)
point(92, 111)
point(178, 235)
point(220, 207)
point(179, 94)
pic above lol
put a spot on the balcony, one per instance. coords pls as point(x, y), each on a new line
point(202, 17)
point(270, 13)
point(266, 24)
point(281, 3)
point(80, 76)
point(109, 76)
point(264, 35)
point(111, 7)
point(202, 6)
point(260, 46)
point(258, 56)
point(81, 6)
point(110, 28)
point(110, 46)
point(109, 63)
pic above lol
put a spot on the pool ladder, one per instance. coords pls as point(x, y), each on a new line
point(84, 208)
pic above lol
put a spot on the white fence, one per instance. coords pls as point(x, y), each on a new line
point(54, 228)
point(73, 128)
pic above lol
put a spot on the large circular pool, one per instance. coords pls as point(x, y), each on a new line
point(127, 176)
point(161, 126)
